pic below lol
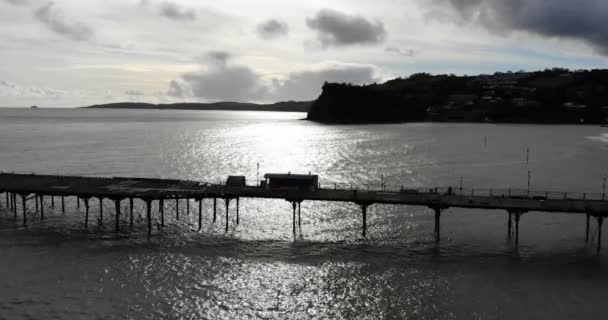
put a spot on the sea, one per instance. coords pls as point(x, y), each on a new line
point(55, 269)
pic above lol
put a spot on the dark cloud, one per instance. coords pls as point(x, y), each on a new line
point(217, 57)
point(135, 93)
point(177, 88)
point(406, 53)
point(54, 20)
point(175, 12)
point(228, 82)
point(272, 29)
point(582, 20)
point(335, 28)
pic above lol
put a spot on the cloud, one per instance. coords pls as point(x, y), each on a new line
point(179, 89)
point(229, 82)
point(335, 28)
point(220, 81)
point(583, 20)
point(306, 85)
point(54, 20)
point(175, 12)
point(12, 89)
point(217, 57)
point(234, 83)
point(406, 53)
point(134, 93)
point(272, 29)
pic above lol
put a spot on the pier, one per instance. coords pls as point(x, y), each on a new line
point(20, 189)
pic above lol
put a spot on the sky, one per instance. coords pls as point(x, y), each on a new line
point(72, 53)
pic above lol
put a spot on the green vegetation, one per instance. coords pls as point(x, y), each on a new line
point(550, 96)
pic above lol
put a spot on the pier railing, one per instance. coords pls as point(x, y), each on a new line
point(455, 190)
point(395, 188)
point(485, 192)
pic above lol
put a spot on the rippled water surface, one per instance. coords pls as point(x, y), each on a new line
point(53, 269)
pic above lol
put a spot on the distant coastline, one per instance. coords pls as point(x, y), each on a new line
point(552, 96)
point(286, 106)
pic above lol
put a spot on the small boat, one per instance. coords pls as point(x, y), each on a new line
point(34, 107)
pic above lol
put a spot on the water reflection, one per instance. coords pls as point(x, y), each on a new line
point(55, 269)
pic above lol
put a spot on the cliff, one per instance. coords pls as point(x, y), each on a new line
point(550, 96)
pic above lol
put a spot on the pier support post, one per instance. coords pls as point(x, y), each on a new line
point(364, 218)
point(587, 230)
point(8, 205)
point(100, 220)
point(62, 205)
point(300, 215)
point(294, 205)
point(509, 225)
point(15, 204)
point(227, 207)
point(77, 202)
point(437, 224)
point(200, 214)
point(517, 216)
point(86, 213)
point(187, 206)
point(214, 209)
point(117, 206)
point(53, 202)
point(177, 208)
point(600, 221)
point(237, 210)
point(23, 199)
point(41, 207)
point(131, 212)
point(149, 216)
point(36, 198)
point(161, 207)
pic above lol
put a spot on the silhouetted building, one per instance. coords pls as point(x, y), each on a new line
point(291, 181)
point(236, 181)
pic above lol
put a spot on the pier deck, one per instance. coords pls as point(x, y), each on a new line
point(120, 188)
